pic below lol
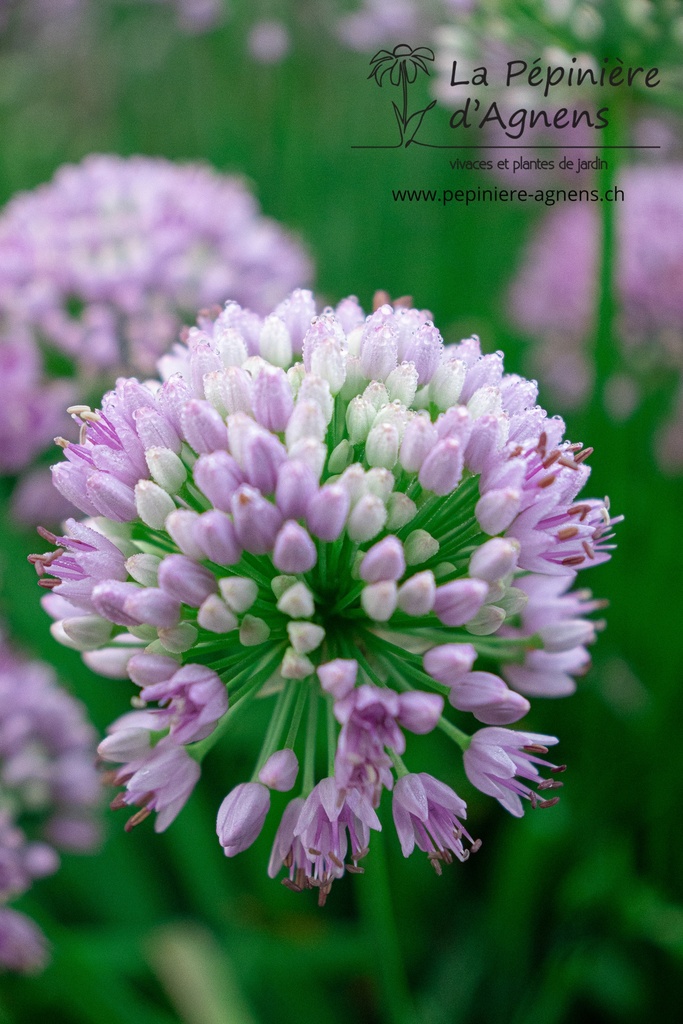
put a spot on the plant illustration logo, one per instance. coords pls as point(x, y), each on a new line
point(401, 65)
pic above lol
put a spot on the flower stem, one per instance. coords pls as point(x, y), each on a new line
point(460, 737)
point(331, 736)
point(296, 717)
point(311, 730)
point(377, 912)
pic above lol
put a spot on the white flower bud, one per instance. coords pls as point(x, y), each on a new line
point(295, 376)
point(153, 504)
point(353, 482)
point(446, 384)
point(355, 381)
point(377, 394)
point(488, 620)
point(381, 447)
point(400, 510)
point(310, 451)
point(316, 389)
point(238, 592)
point(486, 401)
point(379, 600)
point(419, 547)
point(275, 343)
point(340, 457)
point(295, 666)
point(297, 602)
point(305, 636)
point(167, 469)
point(307, 420)
point(231, 347)
point(215, 615)
point(144, 569)
point(360, 415)
point(379, 481)
point(228, 390)
point(513, 601)
point(179, 638)
point(402, 383)
point(86, 632)
point(279, 584)
point(253, 631)
point(327, 361)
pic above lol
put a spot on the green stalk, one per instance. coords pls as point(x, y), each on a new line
point(311, 730)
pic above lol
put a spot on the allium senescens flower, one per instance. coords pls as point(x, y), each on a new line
point(102, 266)
point(49, 788)
point(554, 300)
point(347, 514)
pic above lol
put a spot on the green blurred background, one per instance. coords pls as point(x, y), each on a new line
point(574, 914)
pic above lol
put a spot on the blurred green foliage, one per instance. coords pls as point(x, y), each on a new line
point(574, 914)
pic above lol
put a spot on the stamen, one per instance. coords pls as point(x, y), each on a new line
point(335, 859)
point(585, 454)
point(137, 819)
point(588, 549)
point(548, 803)
point(476, 845)
point(550, 784)
point(573, 560)
point(313, 852)
point(535, 748)
point(547, 480)
point(553, 457)
point(566, 532)
point(292, 886)
point(62, 442)
point(354, 869)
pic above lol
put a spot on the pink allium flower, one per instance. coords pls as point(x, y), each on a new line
point(50, 792)
point(497, 759)
point(342, 512)
point(104, 264)
point(554, 300)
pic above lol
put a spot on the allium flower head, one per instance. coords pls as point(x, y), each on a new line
point(344, 513)
point(49, 789)
point(104, 264)
point(554, 300)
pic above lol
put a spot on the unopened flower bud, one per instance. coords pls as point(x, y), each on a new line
point(238, 592)
point(457, 602)
point(494, 559)
point(153, 504)
point(241, 817)
point(381, 446)
point(297, 602)
point(419, 547)
point(449, 662)
point(384, 561)
point(305, 636)
point(280, 770)
point(166, 468)
point(338, 677)
point(367, 518)
point(215, 615)
point(379, 600)
point(416, 595)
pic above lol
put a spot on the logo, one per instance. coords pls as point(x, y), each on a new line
point(400, 68)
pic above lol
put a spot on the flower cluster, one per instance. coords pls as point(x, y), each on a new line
point(554, 300)
point(344, 513)
point(47, 774)
point(105, 263)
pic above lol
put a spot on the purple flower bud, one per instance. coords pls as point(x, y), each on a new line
point(256, 520)
point(419, 438)
point(488, 698)
point(23, 947)
point(496, 510)
point(424, 348)
point(153, 607)
point(145, 669)
point(494, 559)
point(484, 444)
point(218, 476)
point(155, 430)
point(71, 482)
point(442, 468)
point(272, 399)
point(110, 497)
point(449, 662)
point(181, 525)
point(280, 770)
point(110, 662)
point(416, 595)
point(296, 485)
point(203, 427)
point(327, 511)
point(294, 551)
point(455, 603)
point(241, 817)
point(216, 536)
point(379, 352)
point(262, 456)
point(109, 599)
point(186, 581)
point(384, 561)
point(419, 711)
point(338, 677)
